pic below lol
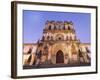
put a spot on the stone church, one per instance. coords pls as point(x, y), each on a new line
point(59, 45)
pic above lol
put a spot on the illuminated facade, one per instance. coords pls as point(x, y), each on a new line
point(59, 45)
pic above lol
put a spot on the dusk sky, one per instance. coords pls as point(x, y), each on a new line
point(34, 23)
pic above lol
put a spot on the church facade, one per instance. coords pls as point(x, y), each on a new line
point(59, 45)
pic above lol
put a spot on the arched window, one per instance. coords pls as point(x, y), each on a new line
point(60, 27)
point(48, 37)
point(49, 27)
point(51, 37)
point(68, 27)
point(70, 37)
point(29, 51)
point(55, 28)
point(87, 50)
point(63, 27)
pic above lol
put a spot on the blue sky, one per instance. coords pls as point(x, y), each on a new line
point(34, 22)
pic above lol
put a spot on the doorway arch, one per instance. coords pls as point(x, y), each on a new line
point(59, 57)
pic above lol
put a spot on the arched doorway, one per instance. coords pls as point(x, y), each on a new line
point(59, 57)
